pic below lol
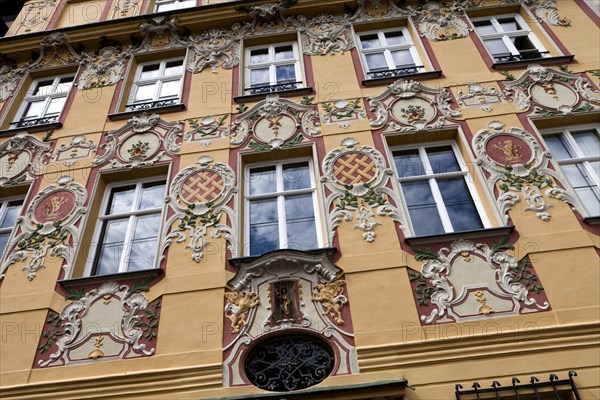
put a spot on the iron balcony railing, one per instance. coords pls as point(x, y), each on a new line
point(560, 389)
point(390, 73)
point(152, 104)
point(526, 55)
point(26, 123)
point(279, 87)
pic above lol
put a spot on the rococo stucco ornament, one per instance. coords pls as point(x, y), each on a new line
point(215, 48)
point(199, 195)
point(35, 13)
point(371, 10)
point(343, 112)
point(104, 67)
point(267, 11)
point(275, 121)
point(286, 290)
point(325, 34)
point(104, 323)
point(145, 140)
point(470, 281)
point(206, 128)
point(442, 20)
point(479, 95)
point(79, 148)
point(554, 92)
point(22, 157)
point(50, 227)
point(409, 106)
point(518, 164)
point(358, 178)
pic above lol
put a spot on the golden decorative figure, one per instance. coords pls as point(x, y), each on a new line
point(483, 308)
point(106, 298)
point(550, 89)
point(275, 124)
point(239, 304)
point(53, 207)
point(510, 150)
point(330, 295)
point(12, 158)
point(299, 286)
point(97, 353)
point(466, 256)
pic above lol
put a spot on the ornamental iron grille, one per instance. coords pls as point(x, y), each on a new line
point(287, 363)
point(553, 389)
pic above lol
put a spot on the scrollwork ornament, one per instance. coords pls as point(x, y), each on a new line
point(102, 68)
point(446, 294)
point(214, 48)
point(357, 178)
point(49, 227)
point(325, 34)
point(442, 20)
point(23, 156)
point(518, 168)
point(199, 196)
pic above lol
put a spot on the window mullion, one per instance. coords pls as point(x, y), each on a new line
point(127, 244)
point(510, 46)
point(593, 174)
point(389, 59)
point(440, 205)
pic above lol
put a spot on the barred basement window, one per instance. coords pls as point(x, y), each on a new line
point(287, 363)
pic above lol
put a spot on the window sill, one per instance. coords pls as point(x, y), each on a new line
point(592, 220)
point(556, 60)
point(283, 93)
point(419, 75)
point(448, 237)
point(146, 273)
point(239, 260)
point(157, 110)
point(31, 129)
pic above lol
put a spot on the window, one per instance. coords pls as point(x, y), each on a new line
point(168, 5)
point(44, 101)
point(281, 201)
point(9, 211)
point(508, 38)
point(157, 84)
point(577, 151)
point(437, 190)
point(126, 239)
point(273, 68)
point(388, 53)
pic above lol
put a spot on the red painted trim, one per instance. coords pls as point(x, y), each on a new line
point(56, 15)
point(235, 84)
point(144, 7)
point(554, 38)
point(358, 68)
point(107, 8)
point(68, 103)
point(114, 104)
point(482, 49)
point(431, 54)
point(308, 72)
point(187, 83)
point(588, 11)
point(6, 106)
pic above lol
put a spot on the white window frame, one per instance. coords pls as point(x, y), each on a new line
point(579, 157)
point(159, 79)
point(272, 64)
point(280, 195)
point(177, 3)
point(30, 98)
point(131, 215)
point(10, 230)
point(506, 35)
point(432, 177)
point(387, 50)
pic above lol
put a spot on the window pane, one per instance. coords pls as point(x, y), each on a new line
point(150, 71)
point(64, 84)
point(109, 259)
point(522, 43)
point(395, 38)
point(285, 73)
point(3, 242)
point(370, 41)
point(12, 212)
point(459, 205)
point(166, 7)
point(442, 160)
point(284, 53)
point(484, 27)
point(174, 68)
point(146, 227)
point(34, 109)
point(558, 147)
point(296, 176)
point(264, 227)
point(262, 180)
point(376, 61)
point(141, 255)
point(408, 163)
point(258, 56)
point(422, 209)
point(115, 230)
point(56, 106)
point(402, 58)
point(43, 88)
point(588, 143)
point(300, 218)
point(577, 175)
point(186, 4)
point(590, 197)
point(152, 195)
point(496, 46)
point(145, 93)
point(509, 24)
point(169, 89)
point(121, 200)
point(259, 77)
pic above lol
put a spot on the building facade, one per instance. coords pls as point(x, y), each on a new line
point(341, 200)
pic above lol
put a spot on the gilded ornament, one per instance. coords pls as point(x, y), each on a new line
point(483, 309)
point(97, 353)
point(238, 305)
point(330, 295)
